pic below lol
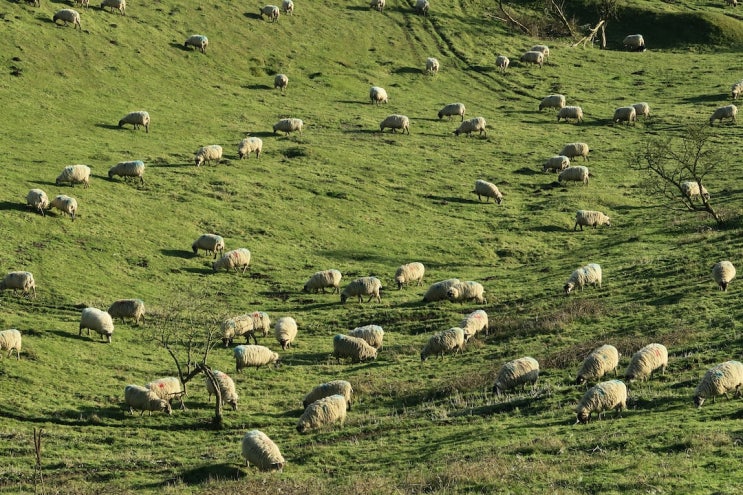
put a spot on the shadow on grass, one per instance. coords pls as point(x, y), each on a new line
point(706, 98)
point(112, 127)
point(256, 86)
point(208, 474)
point(352, 102)
point(178, 253)
point(250, 15)
point(199, 271)
point(550, 228)
point(72, 335)
point(180, 47)
point(408, 70)
point(12, 206)
point(451, 199)
point(263, 134)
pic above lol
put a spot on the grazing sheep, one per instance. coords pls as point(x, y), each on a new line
point(590, 218)
point(139, 118)
point(589, 274)
point(646, 361)
point(625, 114)
point(288, 125)
point(287, 7)
point(11, 340)
point(168, 388)
point(226, 388)
point(541, 48)
point(474, 323)
point(432, 65)
point(719, 380)
point(65, 204)
point(133, 168)
point(371, 334)
point(378, 95)
point(502, 62)
point(556, 163)
point(81, 3)
point(75, 174)
point(281, 81)
point(248, 146)
point(322, 279)
point(144, 399)
point(520, 371)
point(447, 342)
point(127, 308)
point(254, 355)
point(119, 5)
point(452, 109)
point(271, 12)
point(533, 57)
point(336, 387)
point(98, 321)
point(208, 154)
point(731, 3)
point(438, 291)
point(570, 112)
point(37, 198)
point(364, 286)
point(571, 150)
point(259, 449)
point(35, 3)
point(726, 112)
point(552, 101)
point(467, 291)
point(325, 411)
point(723, 272)
point(634, 43)
point(237, 258)
point(575, 174)
point(211, 243)
point(736, 89)
point(472, 125)
point(421, 7)
point(346, 346)
point(409, 272)
point(377, 5)
point(395, 122)
point(602, 397)
point(487, 189)
point(642, 109)
point(247, 324)
point(68, 15)
point(23, 281)
point(601, 361)
point(198, 41)
point(690, 189)
point(285, 331)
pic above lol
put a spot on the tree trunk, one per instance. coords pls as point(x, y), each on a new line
point(603, 36)
point(217, 422)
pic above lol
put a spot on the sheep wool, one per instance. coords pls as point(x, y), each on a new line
point(736, 89)
point(642, 109)
point(690, 189)
point(726, 112)
point(378, 95)
point(208, 154)
point(476, 124)
point(322, 412)
point(487, 189)
point(335, 387)
point(552, 101)
point(127, 308)
point(422, 7)
point(23, 281)
point(288, 126)
point(254, 355)
point(271, 12)
point(602, 397)
point(133, 168)
point(571, 150)
point(520, 371)
point(322, 279)
point(474, 323)
point(377, 5)
point(198, 41)
point(98, 321)
point(446, 342)
point(394, 122)
point(287, 7)
point(167, 388)
point(75, 174)
point(502, 62)
point(634, 42)
point(232, 260)
point(281, 81)
point(65, 204)
point(371, 334)
point(432, 65)
point(136, 119)
point(541, 48)
point(211, 243)
point(144, 399)
point(533, 57)
point(247, 324)
point(646, 361)
point(590, 218)
point(556, 163)
point(625, 114)
point(345, 346)
point(37, 199)
point(570, 112)
point(261, 451)
point(438, 291)
point(719, 380)
point(10, 340)
point(723, 272)
point(589, 274)
point(575, 174)
point(467, 291)
point(601, 361)
point(285, 331)
point(119, 5)
point(67, 16)
point(452, 109)
point(226, 388)
point(410, 272)
point(250, 145)
point(364, 286)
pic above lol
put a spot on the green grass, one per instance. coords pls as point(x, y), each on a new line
point(342, 195)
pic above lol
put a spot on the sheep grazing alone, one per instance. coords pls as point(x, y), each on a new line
point(322, 279)
point(247, 325)
point(226, 388)
point(602, 397)
point(394, 122)
point(167, 388)
point(364, 286)
point(541, 48)
point(421, 7)
point(119, 5)
point(432, 65)
point(625, 114)
point(726, 112)
point(258, 449)
point(502, 62)
point(254, 355)
point(10, 340)
point(280, 82)
point(575, 174)
point(136, 119)
point(449, 341)
point(208, 154)
point(634, 43)
point(98, 321)
point(288, 126)
point(467, 291)
point(409, 272)
point(474, 323)
point(571, 150)
point(452, 109)
point(590, 218)
point(285, 331)
point(198, 41)
point(233, 260)
point(377, 5)
point(67, 16)
point(533, 57)
point(271, 12)
point(719, 380)
point(646, 361)
point(602, 360)
point(589, 274)
point(211, 243)
point(690, 189)
point(74, 174)
point(487, 189)
point(287, 7)
point(37, 199)
point(472, 125)
point(642, 109)
point(723, 272)
point(346, 346)
point(65, 204)
point(23, 281)
point(570, 112)
point(438, 291)
point(133, 168)
point(127, 308)
point(520, 371)
point(371, 334)
point(144, 399)
point(322, 412)
point(736, 89)
point(250, 145)
point(378, 95)
point(556, 163)
point(552, 101)
point(335, 387)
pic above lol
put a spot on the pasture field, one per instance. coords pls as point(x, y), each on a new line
point(343, 195)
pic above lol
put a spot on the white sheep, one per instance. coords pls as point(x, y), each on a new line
point(410, 272)
point(634, 42)
point(198, 41)
point(690, 189)
point(285, 331)
point(571, 150)
point(364, 286)
point(167, 388)
point(449, 341)
point(287, 7)
point(68, 15)
point(432, 65)
point(502, 62)
point(247, 324)
point(719, 380)
point(474, 323)
point(325, 411)
point(589, 274)
point(726, 112)
point(642, 109)
point(271, 12)
point(723, 272)
point(371, 334)
point(322, 279)
point(335, 387)
point(136, 119)
point(281, 81)
point(422, 7)
point(127, 308)
point(599, 362)
point(254, 355)
point(395, 122)
point(119, 5)
point(144, 399)
point(258, 449)
point(472, 125)
point(288, 126)
point(736, 89)
point(250, 145)
point(602, 397)
point(646, 361)
point(208, 154)
point(520, 371)
point(570, 112)
point(98, 321)
point(237, 258)
point(82, 3)
point(590, 218)
point(65, 204)
point(23, 281)
point(731, 3)
point(541, 48)
point(211, 243)
point(11, 340)
point(133, 168)
point(487, 189)
point(625, 114)
point(556, 163)
point(226, 388)
point(378, 95)
point(438, 291)
point(467, 291)
point(345, 346)
point(552, 101)
point(377, 5)
point(575, 174)
point(532, 57)
point(74, 174)
point(37, 198)
point(452, 109)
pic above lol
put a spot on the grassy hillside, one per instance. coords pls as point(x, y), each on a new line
point(343, 195)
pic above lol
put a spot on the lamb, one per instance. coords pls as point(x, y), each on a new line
point(634, 43)
point(198, 41)
point(378, 95)
point(438, 291)
point(533, 57)
point(719, 380)
point(395, 122)
point(127, 308)
point(226, 388)
point(571, 150)
point(726, 112)
point(520, 371)
point(281, 81)
point(68, 15)
point(65, 204)
point(556, 163)
point(371, 334)
point(409, 272)
point(37, 198)
point(474, 323)
point(322, 279)
point(625, 114)
point(601, 361)
point(119, 5)
point(254, 355)
point(541, 48)
point(288, 125)
point(285, 331)
point(248, 325)
point(259, 449)
point(690, 188)
point(98, 321)
point(586, 275)
point(452, 109)
point(466, 291)
point(472, 125)
point(335, 387)
point(570, 112)
point(502, 62)
point(271, 12)
point(447, 342)
point(208, 154)
point(646, 361)
point(237, 258)
point(552, 101)
point(642, 109)
point(487, 189)
point(575, 174)
point(11, 340)
point(432, 65)
point(211, 243)
point(602, 397)
point(590, 218)
point(364, 286)
point(23, 281)
point(136, 119)
point(128, 169)
point(723, 272)
point(144, 399)
point(325, 411)
point(422, 7)
point(75, 174)
point(167, 388)
point(346, 346)
point(287, 7)
point(736, 89)
point(377, 5)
